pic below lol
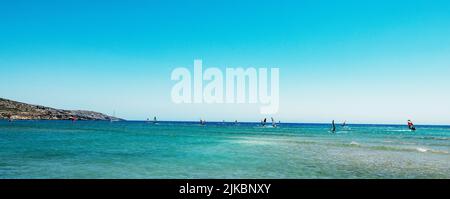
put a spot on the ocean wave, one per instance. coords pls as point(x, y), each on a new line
point(420, 149)
point(389, 148)
point(267, 141)
point(416, 149)
point(435, 138)
point(354, 143)
point(425, 137)
point(402, 130)
point(424, 150)
point(254, 142)
point(261, 141)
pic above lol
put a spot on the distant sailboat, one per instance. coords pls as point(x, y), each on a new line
point(155, 121)
point(273, 122)
point(113, 118)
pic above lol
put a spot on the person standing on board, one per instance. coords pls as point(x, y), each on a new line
point(263, 122)
point(411, 126)
point(333, 127)
point(202, 122)
point(273, 122)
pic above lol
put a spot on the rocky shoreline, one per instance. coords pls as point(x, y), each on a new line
point(12, 110)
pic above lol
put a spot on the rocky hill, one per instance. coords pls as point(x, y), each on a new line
point(21, 111)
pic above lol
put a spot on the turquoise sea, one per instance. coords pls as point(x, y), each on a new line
point(94, 149)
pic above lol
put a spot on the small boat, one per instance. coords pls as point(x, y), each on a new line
point(113, 118)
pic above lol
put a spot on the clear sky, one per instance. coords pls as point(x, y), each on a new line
point(363, 61)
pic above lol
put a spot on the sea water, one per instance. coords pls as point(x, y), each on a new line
point(95, 149)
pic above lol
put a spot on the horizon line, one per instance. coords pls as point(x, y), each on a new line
point(247, 122)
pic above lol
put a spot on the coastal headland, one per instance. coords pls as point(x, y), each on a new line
point(13, 110)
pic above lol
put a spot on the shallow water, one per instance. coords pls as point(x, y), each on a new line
point(93, 149)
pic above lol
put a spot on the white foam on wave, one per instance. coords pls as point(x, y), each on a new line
point(424, 150)
point(354, 143)
point(434, 138)
point(445, 152)
point(421, 149)
point(404, 130)
point(254, 142)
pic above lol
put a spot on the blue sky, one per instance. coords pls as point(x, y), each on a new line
point(361, 61)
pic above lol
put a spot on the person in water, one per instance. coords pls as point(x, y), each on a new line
point(411, 126)
point(333, 127)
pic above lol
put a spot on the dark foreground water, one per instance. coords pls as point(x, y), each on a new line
point(62, 149)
